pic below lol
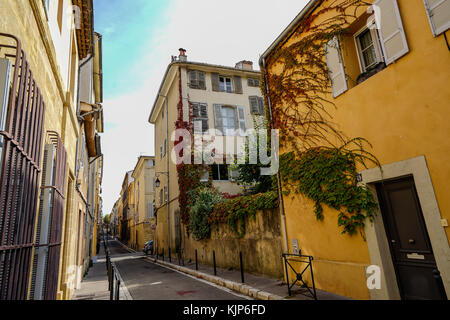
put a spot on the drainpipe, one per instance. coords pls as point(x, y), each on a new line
point(280, 191)
point(167, 165)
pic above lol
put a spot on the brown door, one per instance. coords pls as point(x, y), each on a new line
point(412, 254)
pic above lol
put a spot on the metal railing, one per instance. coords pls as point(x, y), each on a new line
point(289, 260)
point(114, 279)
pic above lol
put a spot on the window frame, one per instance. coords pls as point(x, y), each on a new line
point(224, 77)
point(376, 42)
point(200, 117)
point(219, 174)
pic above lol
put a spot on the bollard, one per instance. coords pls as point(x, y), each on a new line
point(214, 262)
point(170, 257)
point(196, 260)
point(242, 267)
point(118, 290)
point(163, 255)
point(111, 292)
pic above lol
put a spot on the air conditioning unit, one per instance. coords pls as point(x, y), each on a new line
point(5, 74)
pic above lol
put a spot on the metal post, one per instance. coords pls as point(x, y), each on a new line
point(196, 260)
point(118, 290)
point(214, 262)
point(242, 267)
point(111, 293)
point(163, 255)
point(312, 278)
point(287, 274)
point(170, 257)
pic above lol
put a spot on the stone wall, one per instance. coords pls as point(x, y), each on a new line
point(261, 246)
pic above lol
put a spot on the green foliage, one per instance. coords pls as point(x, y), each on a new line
point(106, 219)
point(235, 211)
point(329, 176)
point(205, 200)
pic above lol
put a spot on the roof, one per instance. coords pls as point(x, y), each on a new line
point(140, 159)
point(85, 32)
point(198, 64)
point(289, 29)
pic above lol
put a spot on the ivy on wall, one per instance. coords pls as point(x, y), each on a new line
point(321, 161)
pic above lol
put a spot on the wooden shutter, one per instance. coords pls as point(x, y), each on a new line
point(215, 82)
point(392, 35)
point(241, 118)
point(193, 80)
point(254, 109)
point(218, 123)
point(204, 116)
point(201, 80)
point(438, 12)
point(335, 67)
point(261, 105)
point(237, 84)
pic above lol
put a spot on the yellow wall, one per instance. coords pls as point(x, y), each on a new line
point(403, 112)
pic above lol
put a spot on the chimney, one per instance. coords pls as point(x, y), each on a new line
point(244, 65)
point(182, 56)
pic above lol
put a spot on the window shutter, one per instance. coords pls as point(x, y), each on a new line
point(201, 80)
point(215, 82)
point(198, 125)
point(438, 12)
point(335, 67)
point(218, 123)
point(392, 35)
point(241, 117)
point(154, 184)
point(254, 109)
point(261, 105)
point(193, 79)
point(237, 84)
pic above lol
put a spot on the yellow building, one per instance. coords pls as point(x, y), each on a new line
point(144, 227)
point(222, 98)
point(388, 66)
point(45, 42)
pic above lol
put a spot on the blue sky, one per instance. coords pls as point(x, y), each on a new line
point(126, 26)
point(139, 37)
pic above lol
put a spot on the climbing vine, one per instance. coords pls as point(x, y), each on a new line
point(321, 161)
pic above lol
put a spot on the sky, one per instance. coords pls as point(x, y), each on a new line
point(139, 38)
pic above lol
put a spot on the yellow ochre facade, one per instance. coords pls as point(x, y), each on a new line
point(402, 110)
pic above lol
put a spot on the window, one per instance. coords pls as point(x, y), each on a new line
point(225, 83)
point(219, 172)
point(369, 49)
point(154, 184)
point(200, 117)
point(160, 152)
point(205, 175)
point(166, 194)
point(197, 80)
point(229, 120)
point(252, 82)
point(150, 211)
point(161, 197)
point(256, 105)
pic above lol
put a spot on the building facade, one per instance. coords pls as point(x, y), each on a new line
point(217, 99)
point(42, 47)
point(388, 85)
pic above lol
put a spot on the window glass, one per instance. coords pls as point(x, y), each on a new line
point(225, 84)
point(219, 172)
point(367, 46)
point(229, 119)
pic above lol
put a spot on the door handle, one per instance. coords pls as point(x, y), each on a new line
point(412, 241)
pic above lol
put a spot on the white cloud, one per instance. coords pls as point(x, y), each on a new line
point(218, 32)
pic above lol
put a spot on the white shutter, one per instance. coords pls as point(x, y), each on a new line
point(5, 73)
point(392, 35)
point(336, 67)
point(218, 122)
point(241, 117)
point(438, 12)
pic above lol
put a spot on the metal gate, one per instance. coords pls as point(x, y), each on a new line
point(21, 138)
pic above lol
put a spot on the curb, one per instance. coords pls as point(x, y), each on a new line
point(235, 286)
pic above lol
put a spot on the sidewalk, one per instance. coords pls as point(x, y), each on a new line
point(257, 287)
point(95, 285)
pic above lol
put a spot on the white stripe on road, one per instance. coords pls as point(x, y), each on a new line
point(204, 281)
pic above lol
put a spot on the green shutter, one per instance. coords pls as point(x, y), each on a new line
point(237, 84)
point(215, 82)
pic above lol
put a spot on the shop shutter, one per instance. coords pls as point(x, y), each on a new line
point(335, 67)
point(392, 35)
point(438, 12)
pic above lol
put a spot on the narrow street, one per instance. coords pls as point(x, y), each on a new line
point(148, 281)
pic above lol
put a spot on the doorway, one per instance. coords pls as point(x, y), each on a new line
point(410, 245)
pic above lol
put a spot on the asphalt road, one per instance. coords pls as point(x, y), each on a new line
point(148, 281)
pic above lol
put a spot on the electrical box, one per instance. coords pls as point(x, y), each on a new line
point(5, 74)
